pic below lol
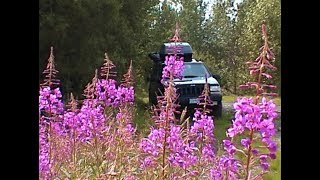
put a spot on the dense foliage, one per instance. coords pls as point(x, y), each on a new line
point(225, 38)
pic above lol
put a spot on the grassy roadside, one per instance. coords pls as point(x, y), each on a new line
point(233, 98)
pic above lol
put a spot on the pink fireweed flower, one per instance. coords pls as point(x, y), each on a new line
point(119, 116)
point(50, 107)
point(208, 152)
point(68, 127)
point(253, 117)
point(272, 155)
point(229, 163)
point(152, 146)
point(50, 100)
point(174, 65)
point(265, 165)
point(91, 121)
point(271, 145)
point(268, 108)
point(255, 151)
point(181, 153)
point(267, 129)
point(112, 95)
point(106, 91)
point(202, 132)
point(44, 162)
point(147, 162)
point(130, 177)
point(127, 132)
point(229, 147)
point(216, 174)
point(257, 118)
point(170, 113)
point(124, 95)
point(225, 163)
point(263, 162)
point(130, 129)
point(245, 142)
point(237, 126)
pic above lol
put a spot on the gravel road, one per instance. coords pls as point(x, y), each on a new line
point(227, 106)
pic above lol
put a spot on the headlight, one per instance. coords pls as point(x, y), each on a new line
point(215, 88)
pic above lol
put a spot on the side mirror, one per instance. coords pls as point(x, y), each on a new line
point(155, 56)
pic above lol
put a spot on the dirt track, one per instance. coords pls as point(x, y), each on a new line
point(229, 107)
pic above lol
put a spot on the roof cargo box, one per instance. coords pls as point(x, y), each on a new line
point(180, 48)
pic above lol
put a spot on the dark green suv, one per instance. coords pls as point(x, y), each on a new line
point(192, 83)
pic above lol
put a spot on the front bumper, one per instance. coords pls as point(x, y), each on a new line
point(216, 97)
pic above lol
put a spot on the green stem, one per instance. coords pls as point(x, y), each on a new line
point(249, 155)
point(164, 144)
point(74, 158)
point(49, 138)
point(95, 141)
point(227, 174)
point(168, 106)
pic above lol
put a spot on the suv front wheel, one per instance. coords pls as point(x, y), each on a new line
point(217, 109)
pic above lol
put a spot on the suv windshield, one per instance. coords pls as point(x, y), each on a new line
point(194, 70)
point(191, 70)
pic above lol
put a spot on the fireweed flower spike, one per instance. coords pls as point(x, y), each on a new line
point(125, 94)
point(225, 168)
point(107, 91)
point(91, 123)
point(202, 133)
point(152, 145)
point(167, 147)
point(181, 153)
point(50, 107)
point(255, 118)
point(125, 130)
point(67, 130)
point(172, 64)
point(49, 94)
point(44, 163)
point(118, 101)
point(106, 86)
point(50, 101)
